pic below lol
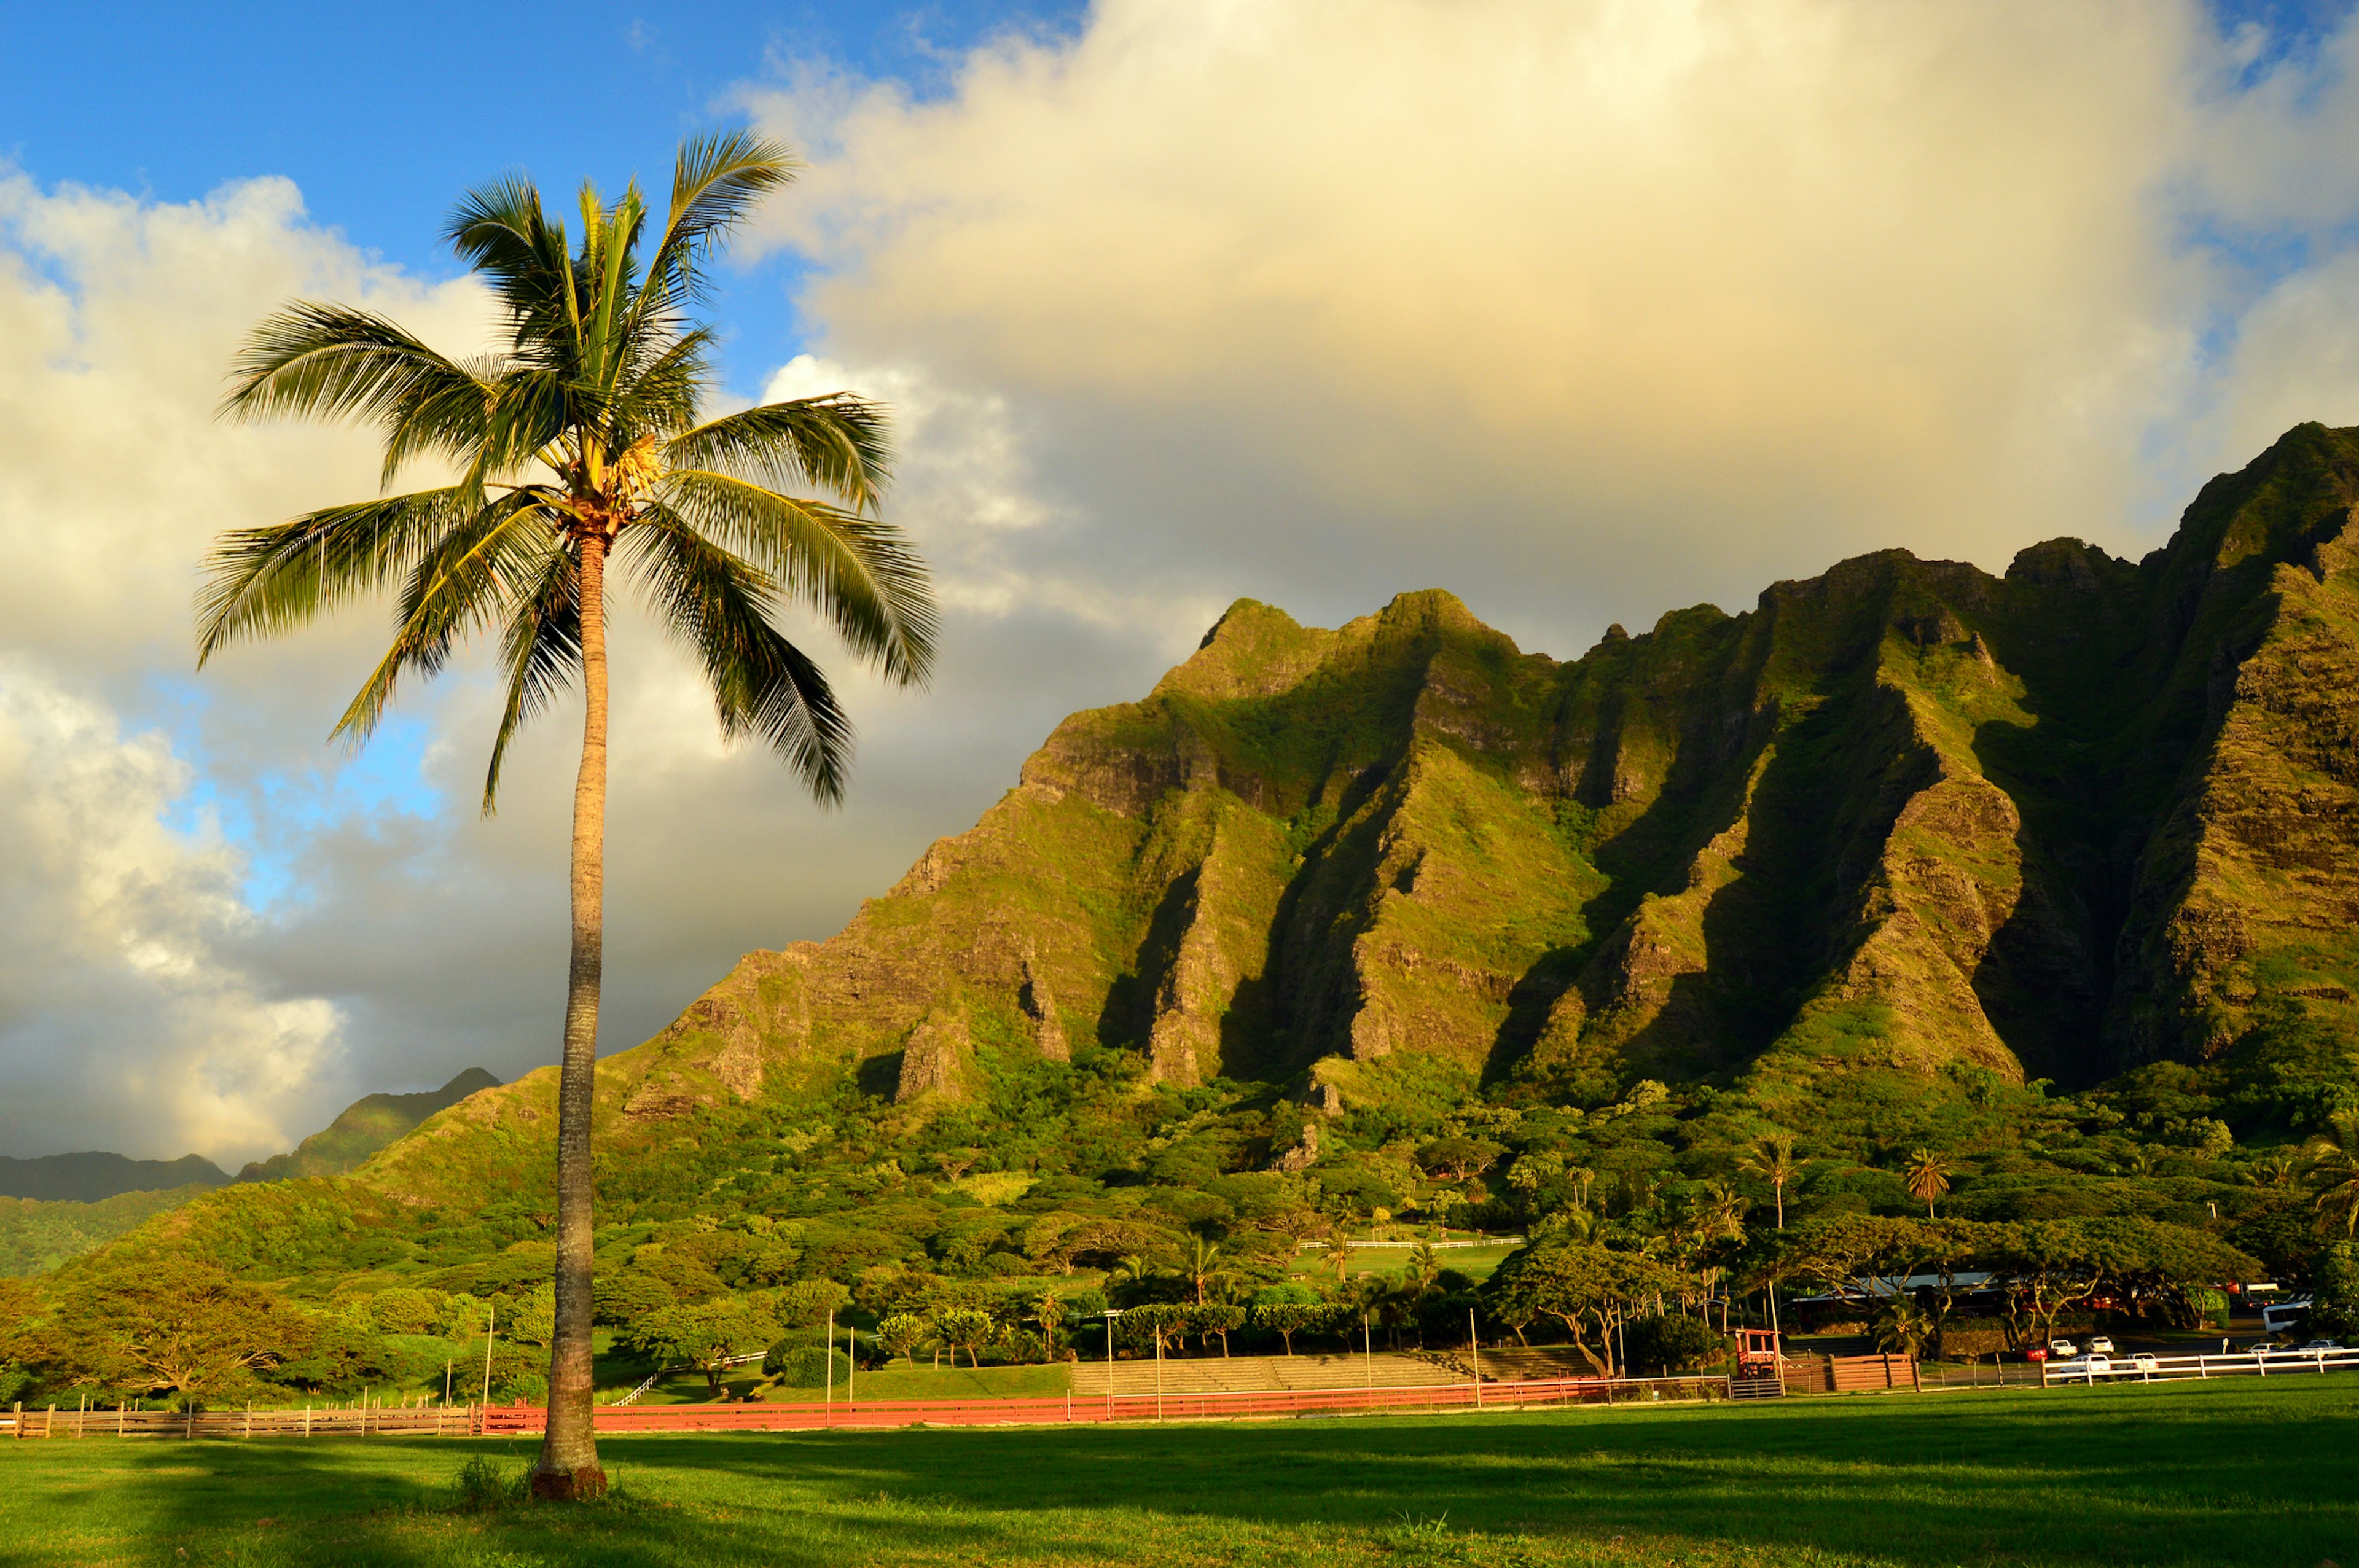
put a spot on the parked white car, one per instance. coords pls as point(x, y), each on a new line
point(2317, 1346)
point(2097, 1367)
point(2145, 1363)
point(2062, 1349)
point(2101, 1346)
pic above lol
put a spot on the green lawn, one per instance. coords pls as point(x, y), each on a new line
point(2209, 1474)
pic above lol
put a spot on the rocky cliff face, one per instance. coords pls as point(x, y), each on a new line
point(1904, 821)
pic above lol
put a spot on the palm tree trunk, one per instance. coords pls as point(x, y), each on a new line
point(569, 1467)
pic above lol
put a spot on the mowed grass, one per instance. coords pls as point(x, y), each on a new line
point(2209, 1474)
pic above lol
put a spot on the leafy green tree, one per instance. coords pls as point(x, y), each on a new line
point(901, 1334)
point(627, 1295)
point(706, 1335)
point(1284, 1311)
point(1157, 1323)
point(1584, 1287)
point(404, 1309)
point(582, 442)
point(1671, 1341)
point(462, 1316)
point(965, 1328)
point(187, 1329)
point(1216, 1318)
point(532, 1318)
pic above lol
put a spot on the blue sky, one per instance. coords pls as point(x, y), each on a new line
point(383, 114)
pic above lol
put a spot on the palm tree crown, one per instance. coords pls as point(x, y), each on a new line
point(583, 433)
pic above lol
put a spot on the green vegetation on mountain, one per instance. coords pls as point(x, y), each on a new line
point(365, 1125)
point(2044, 882)
point(92, 1177)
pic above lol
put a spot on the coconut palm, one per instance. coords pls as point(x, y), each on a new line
point(1201, 1265)
point(1771, 1158)
point(2330, 1163)
point(578, 446)
point(1927, 1176)
point(1337, 1254)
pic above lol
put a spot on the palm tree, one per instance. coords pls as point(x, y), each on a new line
point(579, 443)
point(1338, 1252)
point(1201, 1265)
point(2330, 1163)
point(1771, 1158)
point(1928, 1178)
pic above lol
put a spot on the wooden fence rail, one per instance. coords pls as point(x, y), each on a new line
point(527, 1420)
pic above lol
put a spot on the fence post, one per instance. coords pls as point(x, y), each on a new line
point(16, 1419)
point(192, 1416)
point(306, 1417)
point(120, 1406)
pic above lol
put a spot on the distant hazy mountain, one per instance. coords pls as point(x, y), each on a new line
point(62, 1206)
point(89, 1177)
point(366, 1126)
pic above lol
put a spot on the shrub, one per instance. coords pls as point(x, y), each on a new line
point(404, 1310)
point(806, 1366)
point(1672, 1342)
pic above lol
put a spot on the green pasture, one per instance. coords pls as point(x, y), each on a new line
point(2209, 1474)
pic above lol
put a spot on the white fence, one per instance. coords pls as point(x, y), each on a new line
point(2167, 1368)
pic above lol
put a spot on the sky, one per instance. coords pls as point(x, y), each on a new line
point(1585, 309)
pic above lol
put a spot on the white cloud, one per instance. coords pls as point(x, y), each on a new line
point(125, 1013)
point(1582, 308)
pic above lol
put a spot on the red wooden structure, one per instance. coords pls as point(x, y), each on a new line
point(1756, 1351)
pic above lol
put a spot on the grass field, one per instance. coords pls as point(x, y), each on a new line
point(2210, 1474)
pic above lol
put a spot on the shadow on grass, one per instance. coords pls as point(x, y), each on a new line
point(2214, 1475)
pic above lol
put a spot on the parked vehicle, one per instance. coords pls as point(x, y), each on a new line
point(2062, 1349)
point(2145, 1363)
point(2318, 1346)
point(2278, 1316)
point(2101, 1346)
point(2097, 1367)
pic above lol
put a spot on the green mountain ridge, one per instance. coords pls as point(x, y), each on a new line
point(95, 1175)
point(1900, 824)
point(363, 1127)
point(1885, 860)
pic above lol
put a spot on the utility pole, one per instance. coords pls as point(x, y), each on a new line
point(1112, 1313)
point(491, 1316)
point(1474, 1349)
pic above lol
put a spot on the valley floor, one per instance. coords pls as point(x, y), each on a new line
point(2211, 1474)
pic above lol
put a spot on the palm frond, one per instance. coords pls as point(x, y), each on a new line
point(466, 581)
point(261, 583)
point(840, 442)
point(718, 605)
point(714, 183)
point(330, 361)
point(541, 652)
point(858, 572)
